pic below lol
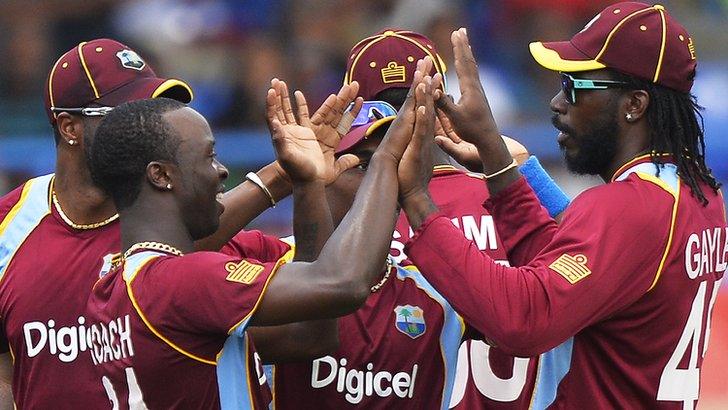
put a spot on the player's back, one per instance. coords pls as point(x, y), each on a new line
point(651, 348)
point(486, 377)
point(160, 331)
point(47, 269)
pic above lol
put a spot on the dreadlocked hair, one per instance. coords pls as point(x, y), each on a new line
point(676, 127)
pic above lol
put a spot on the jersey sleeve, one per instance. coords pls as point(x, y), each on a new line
point(8, 201)
point(524, 225)
point(204, 292)
point(604, 256)
point(256, 245)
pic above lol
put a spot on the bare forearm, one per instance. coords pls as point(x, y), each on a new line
point(244, 203)
point(312, 223)
point(367, 228)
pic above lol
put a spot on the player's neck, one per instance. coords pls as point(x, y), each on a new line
point(81, 201)
point(154, 222)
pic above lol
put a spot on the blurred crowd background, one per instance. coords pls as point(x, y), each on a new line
point(229, 50)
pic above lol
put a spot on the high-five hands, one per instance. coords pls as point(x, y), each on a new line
point(471, 117)
point(466, 153)
point(305, 146)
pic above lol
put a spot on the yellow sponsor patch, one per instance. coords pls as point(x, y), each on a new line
point(572, 268)
point(243, 272)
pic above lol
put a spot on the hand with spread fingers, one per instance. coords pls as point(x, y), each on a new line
point(466, 153)
point(471, 117)
point(305, 146)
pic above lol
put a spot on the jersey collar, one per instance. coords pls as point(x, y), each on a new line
point(666, 158)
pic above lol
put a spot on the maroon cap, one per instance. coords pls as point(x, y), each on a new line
point(388, 60)
point(362, 132)
point(107, 73)
point(630, 37)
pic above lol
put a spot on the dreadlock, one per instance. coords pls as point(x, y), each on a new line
point(676, 127)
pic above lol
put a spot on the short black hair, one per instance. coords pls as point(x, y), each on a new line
point(127, 140)
point(394, 96)
point(676, 127)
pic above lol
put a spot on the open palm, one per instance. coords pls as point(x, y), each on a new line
point(305, 146)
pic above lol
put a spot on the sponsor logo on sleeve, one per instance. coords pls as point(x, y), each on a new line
point(243, 272)
point(572, 268)
point(410, 320)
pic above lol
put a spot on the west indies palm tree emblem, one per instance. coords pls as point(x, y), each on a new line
point(410, 320)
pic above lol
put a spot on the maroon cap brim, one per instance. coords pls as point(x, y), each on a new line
point(562, 56)
point(357, 134)
point(149, 87)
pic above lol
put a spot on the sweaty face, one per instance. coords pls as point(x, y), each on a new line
point(589, 128)
point(200, 184)
point(340, 194)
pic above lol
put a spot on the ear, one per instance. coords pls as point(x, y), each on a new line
point(635, 107)
point(160, 175)
point(70, 128)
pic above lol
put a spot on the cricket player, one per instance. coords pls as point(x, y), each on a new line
point(156, 159)
point(59, 232)
point(619, 296)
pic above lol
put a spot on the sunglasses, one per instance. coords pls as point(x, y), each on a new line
point(372, 111)
point(88, 112)
point(569, 85)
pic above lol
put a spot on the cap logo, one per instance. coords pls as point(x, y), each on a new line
point(130, 59)
point(691, 48)
point(393, 73)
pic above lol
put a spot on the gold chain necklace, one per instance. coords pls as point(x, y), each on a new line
point(74, 225)
point(157, 246)
point(388, 268)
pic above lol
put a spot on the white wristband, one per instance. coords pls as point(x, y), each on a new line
point(254, 178)
point(506, 168)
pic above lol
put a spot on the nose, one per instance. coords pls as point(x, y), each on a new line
point(222, 171)
point(558, 103)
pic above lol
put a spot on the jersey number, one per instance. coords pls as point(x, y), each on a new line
point(136, 401)
point(683, 384)
point(485, 380)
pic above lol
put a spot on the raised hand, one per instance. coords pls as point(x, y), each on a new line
point(300, 144)
point(326, 122)
point(415, 168)
point(465, 153)
point(471, 116)
point(398, 135)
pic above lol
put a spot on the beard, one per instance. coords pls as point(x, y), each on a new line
point(596, 147)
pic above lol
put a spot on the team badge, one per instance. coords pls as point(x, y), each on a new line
point(243, 272)
point(130, 59)
point(572, 268)
point(410, 320)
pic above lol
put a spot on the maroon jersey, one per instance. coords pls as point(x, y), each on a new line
point(169, 331)
point(382, 363)
point(486, 377)
point(47, 269)
point(619, 296)
point(397, 351)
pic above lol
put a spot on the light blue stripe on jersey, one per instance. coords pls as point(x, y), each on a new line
point(668, 173)
point(552, 368)
point(451, 334)
point(232, 372)
point(34, 207)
